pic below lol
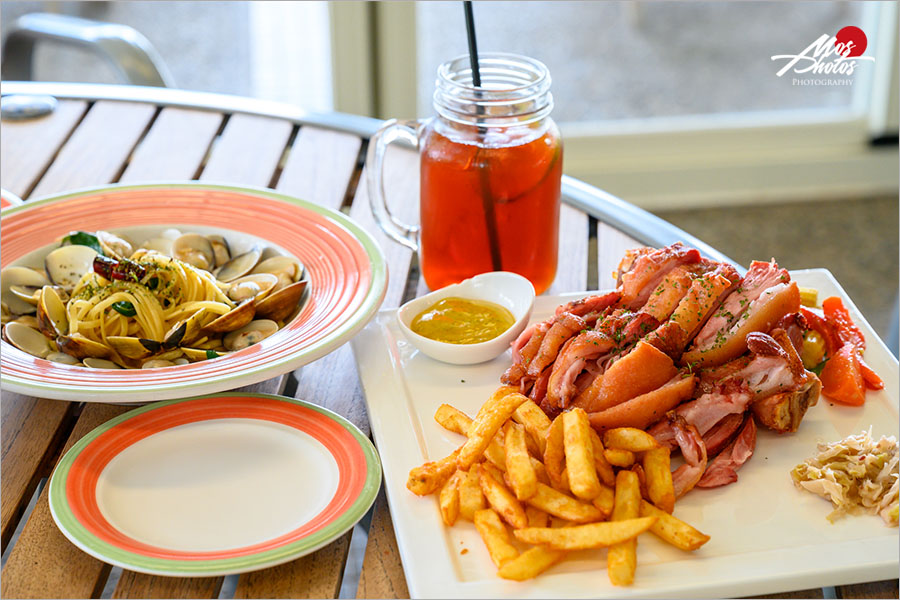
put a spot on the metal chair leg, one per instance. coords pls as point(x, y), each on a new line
point(130, 53)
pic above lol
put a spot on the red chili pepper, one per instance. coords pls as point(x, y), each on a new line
point(124, 269)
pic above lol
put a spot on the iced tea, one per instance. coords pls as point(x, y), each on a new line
point(519, 176)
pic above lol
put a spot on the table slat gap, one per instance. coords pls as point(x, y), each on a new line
point(33, 432)
point(353, 184)
point(382, 573)
point(273, 183)
point(137, 144)
point(175, 146)
point(611, 247)
point(95, 152)
point(319, 166)
point(248, 151)
point(141, 585)
point(572, 262)
point(44, 563)
point(43, 138)
point(209, 148)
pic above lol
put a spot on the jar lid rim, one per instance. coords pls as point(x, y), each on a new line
point(542, 74)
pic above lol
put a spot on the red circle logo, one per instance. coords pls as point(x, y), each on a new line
point(853, 38)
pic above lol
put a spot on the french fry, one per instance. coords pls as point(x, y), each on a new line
point(536, 517)
point(621, 558)
point(518, 462)
point(672, 530)
point(496, 473)
point(560, 505)
point(581, 537)
point(619, 458)
point(428, 478)
point(501, 499)
point(579, 449)
point(658, 474)
point(470, 497)
point(448, 500)
point(535, 421)
point(530, 563)
point(487, 423)
point(604, 469)
point(638, 470)
point(555, 454)
point(629, 438)
point(453, 419)
point(540, 471)
point(495, 537)
point(495, 453)
point(605, 501)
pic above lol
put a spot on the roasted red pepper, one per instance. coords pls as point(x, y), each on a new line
point(846, 375)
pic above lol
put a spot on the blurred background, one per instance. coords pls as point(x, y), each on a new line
point(673, 106)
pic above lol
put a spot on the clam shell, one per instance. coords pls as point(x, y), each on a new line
point(249, 334)
point(81, 347)
point(156, 363)
point(100, 363)
point(282, 265)
point(236, 318)
point(221, 249)
point(132, 347)
point(67, 265)
point(27, 339)
point(62, 357)
point(280, 304)
point(195, 250)
point(114, 245)
point(184, 331)
point(255, 286)
point(51, 313)
point(238, 266)
point(19, 276)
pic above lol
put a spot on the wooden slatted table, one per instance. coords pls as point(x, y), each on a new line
point(104, 134)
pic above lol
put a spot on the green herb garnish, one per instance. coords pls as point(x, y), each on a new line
point(124, 308)
point(212, 354)
point(83, 238)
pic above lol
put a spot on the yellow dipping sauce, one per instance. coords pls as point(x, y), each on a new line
point(462, 321)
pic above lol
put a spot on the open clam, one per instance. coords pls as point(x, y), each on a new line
point(27, 339)
point(195, 250)
point(239, 265)
point(236, 318)
point(114, 245)
point(66, 265)
point(249, 334)
point(252, 286)
point(20, 277)
point(51, 313)
point(99, 363)
point(184, 331)
point(221, 249)
point(81, 347)
point(133, 347)
point(62, 357)
point(279, 305)
point(287, 268)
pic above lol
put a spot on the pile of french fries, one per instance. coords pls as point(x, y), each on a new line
point(556, 484)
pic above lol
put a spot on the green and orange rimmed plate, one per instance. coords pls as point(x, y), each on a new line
point(214, 485)
point(345, 267)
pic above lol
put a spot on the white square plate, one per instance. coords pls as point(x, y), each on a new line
point(766, 535)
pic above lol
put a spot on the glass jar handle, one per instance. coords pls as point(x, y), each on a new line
point(392, 131)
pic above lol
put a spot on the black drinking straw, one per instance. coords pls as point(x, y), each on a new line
point(486, 200)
